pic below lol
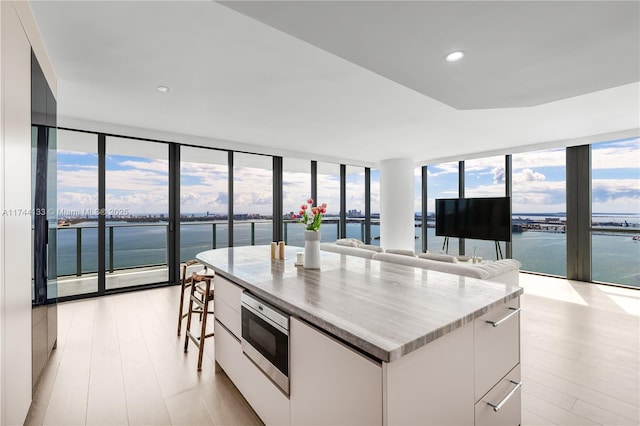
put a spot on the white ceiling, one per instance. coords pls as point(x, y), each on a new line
point(361, 81)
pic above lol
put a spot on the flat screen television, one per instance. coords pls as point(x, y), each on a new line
point(474, 218)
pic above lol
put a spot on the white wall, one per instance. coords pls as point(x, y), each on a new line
point(18, 32)
point(397, 229)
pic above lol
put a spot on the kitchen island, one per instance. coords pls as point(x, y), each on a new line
point(371, 342)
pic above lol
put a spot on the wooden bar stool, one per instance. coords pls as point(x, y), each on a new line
point(201, 295)
point(187, 268)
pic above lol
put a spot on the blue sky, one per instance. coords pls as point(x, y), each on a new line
point(140, 184)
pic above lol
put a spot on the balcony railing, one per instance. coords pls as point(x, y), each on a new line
point(143, 245)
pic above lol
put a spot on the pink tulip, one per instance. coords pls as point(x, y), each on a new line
point(303, 207)
point(310, 201)
point(324, 206)
point(293, 216)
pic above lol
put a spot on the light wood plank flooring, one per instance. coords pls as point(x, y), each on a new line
point(119, 361)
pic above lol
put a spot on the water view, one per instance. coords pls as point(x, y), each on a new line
point(540, 244)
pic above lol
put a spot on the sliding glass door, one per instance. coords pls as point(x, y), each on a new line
point(136, 212)
point(204, 201)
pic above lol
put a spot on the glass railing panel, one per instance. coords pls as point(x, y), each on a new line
point(252, 233)
point(541, 250)
point(77, 269)
point(616, 257)
point(294, 233)
point(329, 230)
point(196, 237)
point(136, 254)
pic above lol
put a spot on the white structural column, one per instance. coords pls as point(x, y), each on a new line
point(397, 228)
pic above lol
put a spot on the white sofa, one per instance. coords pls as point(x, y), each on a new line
point(504, 271)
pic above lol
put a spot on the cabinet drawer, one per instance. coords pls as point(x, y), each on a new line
point(227, 316)
point(264, 397)
point(507, 392)
point(228, 353)
point(228, 292)
point(496, 346)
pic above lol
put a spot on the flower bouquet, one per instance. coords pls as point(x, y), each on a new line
point(309, 216)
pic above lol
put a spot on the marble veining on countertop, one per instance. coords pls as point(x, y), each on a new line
point(384, 309)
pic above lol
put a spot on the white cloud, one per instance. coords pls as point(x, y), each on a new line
point(622, 155)
point(527, 175)
point(442, 169)
point(161, 166)
point(616, 195)
point(482, 164)
point(73, 201)
point(537, 159)
point(498, 175)
point(78, 177)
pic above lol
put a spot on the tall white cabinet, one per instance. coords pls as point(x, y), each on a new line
point(18, 35)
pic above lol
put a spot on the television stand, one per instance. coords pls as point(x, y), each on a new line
point(499, 255)
point(445, 245)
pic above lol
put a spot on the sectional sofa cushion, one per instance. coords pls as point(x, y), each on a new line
point(402, 252)
point(439, 257)
point(377, 249)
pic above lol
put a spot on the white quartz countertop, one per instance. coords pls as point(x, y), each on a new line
point(383, 309)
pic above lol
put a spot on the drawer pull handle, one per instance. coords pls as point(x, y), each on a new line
point(498, 406)
point(497, 323)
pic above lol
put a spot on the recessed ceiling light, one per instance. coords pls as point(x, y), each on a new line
point(163, 89)
point(454, 56)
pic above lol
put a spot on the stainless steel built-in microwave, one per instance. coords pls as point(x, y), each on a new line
point(265, 339)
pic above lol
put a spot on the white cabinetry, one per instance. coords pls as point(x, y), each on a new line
point(227, 302)
point(456, 379)
point(331, 383)
point(228, 353)
point(497, 345)
point(453, 379)
point(265, 398)
point(15, 196)
point(505, 392)
point(433, 384)
point(227, 328)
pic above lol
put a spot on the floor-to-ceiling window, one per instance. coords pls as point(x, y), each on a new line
point(328, 184)
point(615, 197)
point(442, 182)
point(252, 199)
point(484, 178)
point(417, 208)
point(296, 190)
point(204, 200)
point(77, 199)
point(136, 212)
point(355, 209)
point(375, 207)
point(539, 211)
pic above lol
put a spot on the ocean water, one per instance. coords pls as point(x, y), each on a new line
point(616, 258)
